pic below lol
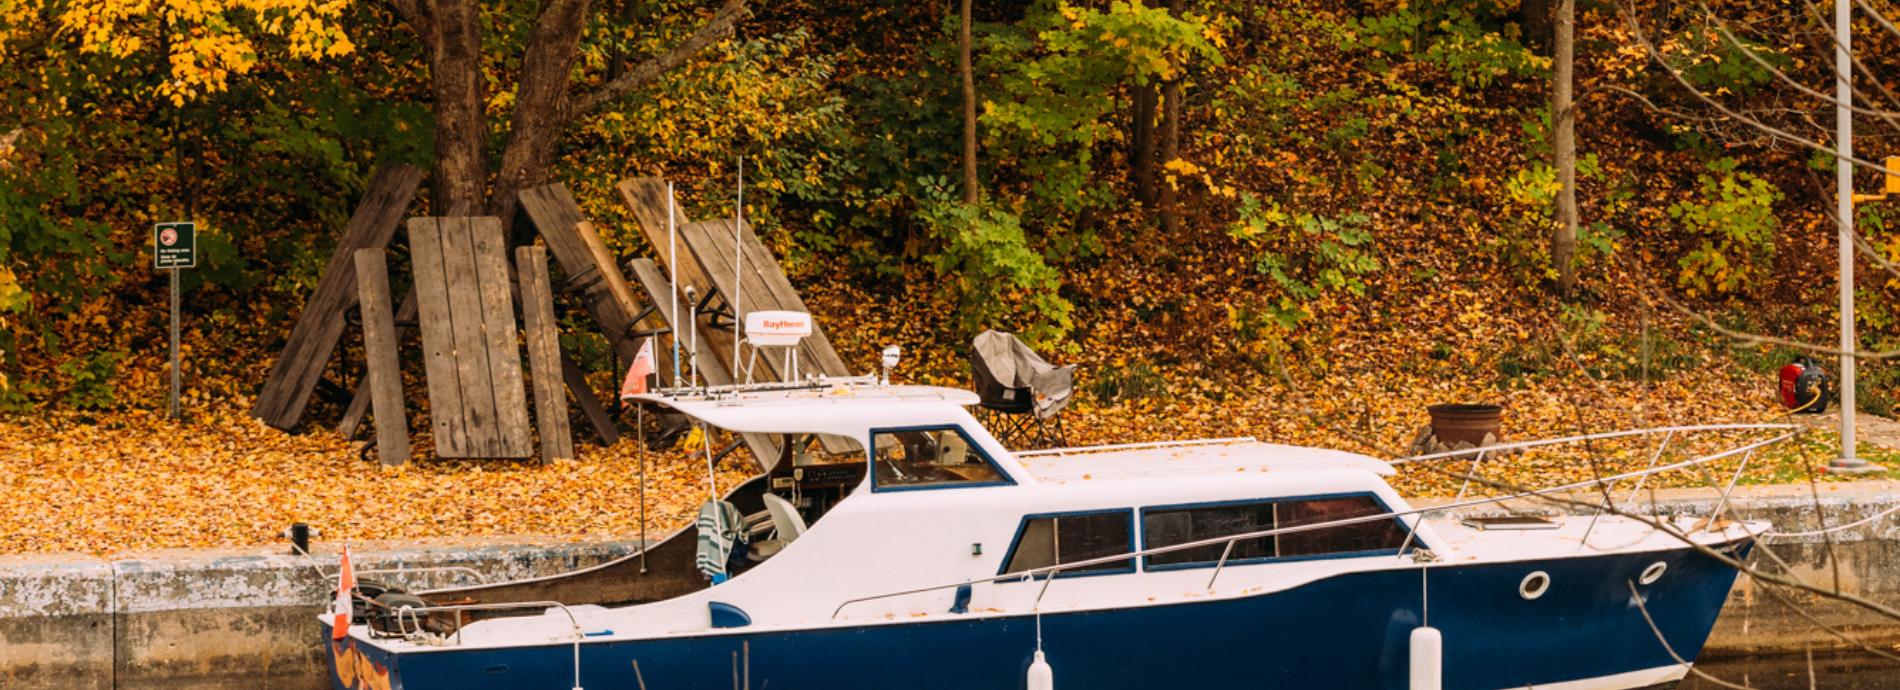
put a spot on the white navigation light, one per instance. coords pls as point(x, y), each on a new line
point(891, 355)
point(776, 328)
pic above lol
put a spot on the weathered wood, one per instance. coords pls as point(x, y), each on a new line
point(581, 254)
point(764, 288)
point(501, 338)
point(438, 337)
point(645, 199)
point(476, 395)
point(359, 405)
point(597, 415)
point(281, 401)
point(544, 354)
point(710, 369)
point(384, 375)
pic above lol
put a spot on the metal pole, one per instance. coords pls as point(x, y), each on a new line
point(175, 413)
point(738, 262)
point(640, 437)
point(1844, 190)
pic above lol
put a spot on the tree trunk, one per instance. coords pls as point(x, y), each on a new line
point(1563, 243)
point(461, 128)
point(1535, 21)
point(1141, 143)
point(1171, 133)
point(542, 106)
point(971, 194)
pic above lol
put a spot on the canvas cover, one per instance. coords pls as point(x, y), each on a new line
point(1002, 366)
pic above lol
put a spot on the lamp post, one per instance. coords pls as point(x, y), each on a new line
point(1848, 462)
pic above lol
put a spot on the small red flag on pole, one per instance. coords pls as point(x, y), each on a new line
point(346, 584)
point(637, 374)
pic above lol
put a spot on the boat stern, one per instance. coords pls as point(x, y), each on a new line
point(357, 665)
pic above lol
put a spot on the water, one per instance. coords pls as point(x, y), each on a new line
point(1860, 671)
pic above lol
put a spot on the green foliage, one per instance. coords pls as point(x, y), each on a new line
point(1733, 217)
point(90, 380)
point(988, 267)
point(1137, 381)
point(1531, 206)
point(1469, 40)
point(1312, 259)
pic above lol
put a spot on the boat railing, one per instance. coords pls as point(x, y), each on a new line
point(418, 614)
point(1416, 514)
point(1139, 446)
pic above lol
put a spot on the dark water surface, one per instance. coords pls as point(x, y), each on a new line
point(1831, 672)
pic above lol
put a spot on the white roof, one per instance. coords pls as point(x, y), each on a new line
point(844, 410)
point(1236, 456)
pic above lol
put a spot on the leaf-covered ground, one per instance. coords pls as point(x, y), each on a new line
point(132, 481)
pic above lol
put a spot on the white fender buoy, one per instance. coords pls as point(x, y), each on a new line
point(1041, 677)
point(1428, 648)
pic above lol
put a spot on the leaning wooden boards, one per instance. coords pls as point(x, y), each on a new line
point(478, 406)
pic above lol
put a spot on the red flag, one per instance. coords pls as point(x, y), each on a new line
point(637, 374)
point(346, 583)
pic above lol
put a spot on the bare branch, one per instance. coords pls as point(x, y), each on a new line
point(716, 29)
point(1776, 132)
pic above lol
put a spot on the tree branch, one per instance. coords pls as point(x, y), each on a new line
point(719, 28)
point(415, 14)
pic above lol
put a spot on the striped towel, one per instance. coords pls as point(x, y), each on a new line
point(718, 526)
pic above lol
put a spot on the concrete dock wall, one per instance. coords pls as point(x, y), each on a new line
point(236, 619)
point(246, 619)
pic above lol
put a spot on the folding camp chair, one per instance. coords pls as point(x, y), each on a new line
point(1021, 395)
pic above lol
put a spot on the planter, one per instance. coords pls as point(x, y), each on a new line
point(1476, 425)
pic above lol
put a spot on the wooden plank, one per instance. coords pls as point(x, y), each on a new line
point(384, 376)
point(581, 254)
point(281, 401)
point(353, 417)
point(501, 346)
point(763, 447)
point(645, 198)
point(597, 415)
point(470, 351)
point(437, 327)
point(544, 354)
point(766, 287)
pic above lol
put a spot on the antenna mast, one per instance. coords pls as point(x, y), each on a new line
point(738, 260)
point(673, 273)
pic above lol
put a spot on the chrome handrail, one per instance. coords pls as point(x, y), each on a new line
point(1051, 571)
point(1594, 437)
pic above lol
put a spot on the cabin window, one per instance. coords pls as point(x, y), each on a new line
point(1162, 527)
point(930, 458)
point(1171, 526)
point(1373, 535)
point(1049, 540)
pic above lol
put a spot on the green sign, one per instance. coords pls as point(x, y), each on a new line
point(175, 245)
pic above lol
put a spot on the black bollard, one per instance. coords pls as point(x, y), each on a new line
point(299, 535)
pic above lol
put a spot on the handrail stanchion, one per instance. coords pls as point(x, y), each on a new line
point(1721, 507)
point(1652, 464)
point(1222, 564)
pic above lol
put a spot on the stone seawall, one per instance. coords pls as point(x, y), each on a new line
point(242, 619)
point(245, 619)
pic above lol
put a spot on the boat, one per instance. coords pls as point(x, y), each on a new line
point(900, 545)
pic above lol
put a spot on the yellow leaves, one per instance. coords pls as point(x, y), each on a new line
point(209, 40)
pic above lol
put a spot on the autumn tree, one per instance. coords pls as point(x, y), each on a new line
point(1563, 118)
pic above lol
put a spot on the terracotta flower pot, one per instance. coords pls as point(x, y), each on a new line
point(1453, 424)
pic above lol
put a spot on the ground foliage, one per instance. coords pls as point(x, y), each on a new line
point(1365, 190)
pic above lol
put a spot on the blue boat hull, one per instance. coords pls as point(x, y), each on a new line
point(1347, 632)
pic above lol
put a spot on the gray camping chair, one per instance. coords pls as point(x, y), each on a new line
point(1021, 394)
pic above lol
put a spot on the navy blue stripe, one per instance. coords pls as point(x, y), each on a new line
point(1344, 633)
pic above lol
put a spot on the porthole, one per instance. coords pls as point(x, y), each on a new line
point(1534, 585)
point(1653, 573)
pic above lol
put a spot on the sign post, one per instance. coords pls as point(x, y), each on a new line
point(175, 246)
